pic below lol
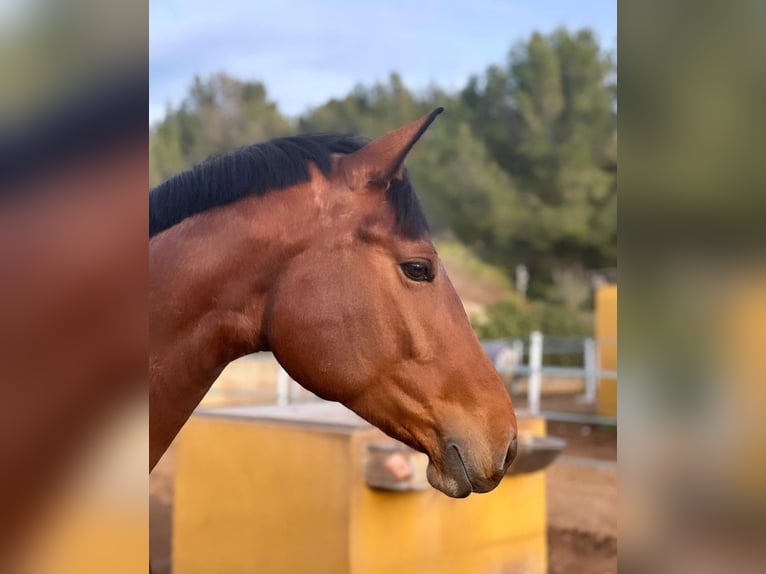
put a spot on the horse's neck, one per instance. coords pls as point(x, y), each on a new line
point(210, 278)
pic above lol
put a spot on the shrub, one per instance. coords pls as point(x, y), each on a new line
point(511, 318)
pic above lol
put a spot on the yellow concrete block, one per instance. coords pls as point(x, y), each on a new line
point(281, 496)
point(606, 336)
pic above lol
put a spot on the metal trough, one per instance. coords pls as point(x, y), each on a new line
point(536, 453)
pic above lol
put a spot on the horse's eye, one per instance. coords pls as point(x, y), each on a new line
point(418, 270)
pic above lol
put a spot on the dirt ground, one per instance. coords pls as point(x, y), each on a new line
point(582, 501)
point(586, 441)
point(576, 552)
point(582, 520)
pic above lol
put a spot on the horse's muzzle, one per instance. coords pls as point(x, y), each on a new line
point(459, 475)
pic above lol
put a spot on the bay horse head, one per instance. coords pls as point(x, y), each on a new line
point(335, 274)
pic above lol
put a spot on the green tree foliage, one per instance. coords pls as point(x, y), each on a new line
point(366, 110)
point(548, 118)
point(515, 318)
point(218, 115)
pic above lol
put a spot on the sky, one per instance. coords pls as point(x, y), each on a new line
point(308, 51)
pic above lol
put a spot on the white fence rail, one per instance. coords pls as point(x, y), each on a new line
point(537, 371)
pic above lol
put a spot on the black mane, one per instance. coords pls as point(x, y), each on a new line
point(261, 168)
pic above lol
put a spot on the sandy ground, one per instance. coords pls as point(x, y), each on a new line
point(577, 552)
point(582, 516)
point(582, 501)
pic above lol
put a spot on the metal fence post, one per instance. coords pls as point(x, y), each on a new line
point(534, 385)
point(591, 380)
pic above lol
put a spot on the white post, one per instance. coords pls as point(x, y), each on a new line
point(283, 387)
point(591, 380)
point(534, 385)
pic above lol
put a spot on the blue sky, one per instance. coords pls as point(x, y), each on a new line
point(307, 51)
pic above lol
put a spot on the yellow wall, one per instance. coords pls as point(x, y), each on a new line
point(275, 497)
point(259, 497)
point(741, 334)
point(426, 532)
point(606, 336)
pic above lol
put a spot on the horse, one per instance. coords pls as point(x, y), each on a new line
point(315, 248)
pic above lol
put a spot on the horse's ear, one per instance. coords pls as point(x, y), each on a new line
point(381, 160)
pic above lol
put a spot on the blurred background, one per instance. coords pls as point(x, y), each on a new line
point(518, 181)
point(73, 335)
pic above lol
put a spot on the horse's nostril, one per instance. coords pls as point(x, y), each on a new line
point(511, 454)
